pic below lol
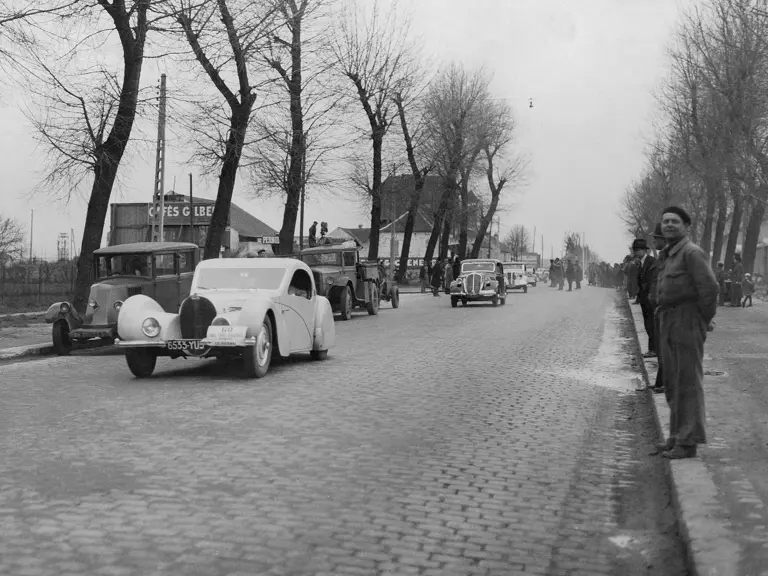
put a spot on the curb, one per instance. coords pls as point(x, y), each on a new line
point(710, 547)
point(43, 350)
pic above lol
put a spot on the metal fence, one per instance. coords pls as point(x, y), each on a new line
point(35, 283)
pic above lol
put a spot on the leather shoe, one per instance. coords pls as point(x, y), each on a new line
point(679, 452)
point(665, 446)
point(649, 354)
point(657, 389)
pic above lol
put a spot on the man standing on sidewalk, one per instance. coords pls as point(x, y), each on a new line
point(687, 304)
point(659, 242)
point(646, 277)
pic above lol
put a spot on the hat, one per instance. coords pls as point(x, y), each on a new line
point(657, 233)
point(639, 244)
point(748, 275)
point(680, 212)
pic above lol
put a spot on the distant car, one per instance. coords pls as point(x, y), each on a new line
point(161, 270)
point(249, 307)
point(479, 280)
point(516, 276)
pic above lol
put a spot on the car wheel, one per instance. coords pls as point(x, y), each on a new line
point(495, 300)
point(258, 358)
point(454, 301)
point(141, 361)
point(319, 354)
point(463, 301)
point(345, 303)
point(62, 344)
point(373, 304)
point(525, 289)
point(395, 298)
point(503, 298)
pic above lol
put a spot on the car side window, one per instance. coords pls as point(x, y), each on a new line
point(301, 285)
point(349, 258)
point(165, 265)
point(186, 262)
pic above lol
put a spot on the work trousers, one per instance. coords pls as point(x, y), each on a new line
point(682, 333)
point(736, 294)
point(649, 322)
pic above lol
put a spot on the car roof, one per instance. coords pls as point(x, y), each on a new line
point(287, 263)
point(327, 248)
point(144, 248)
point(481, 260)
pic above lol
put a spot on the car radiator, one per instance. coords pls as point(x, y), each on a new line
point(473, 283)
point(195, 316)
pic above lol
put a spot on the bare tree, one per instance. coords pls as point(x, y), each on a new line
point(84, 114)
point(224, 42)
point(371, 53)
point(517, 239)
point(11, 238)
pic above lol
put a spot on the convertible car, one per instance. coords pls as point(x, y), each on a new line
point(249, 307)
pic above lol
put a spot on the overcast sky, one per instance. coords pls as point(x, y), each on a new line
point(589, 66)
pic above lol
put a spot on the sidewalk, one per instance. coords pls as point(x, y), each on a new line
point(722, 494)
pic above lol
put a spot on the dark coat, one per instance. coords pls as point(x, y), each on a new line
point(437, 276)
point(647, 280)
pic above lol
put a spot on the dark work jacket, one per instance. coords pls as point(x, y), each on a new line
point(685, 277)
point(647, 279)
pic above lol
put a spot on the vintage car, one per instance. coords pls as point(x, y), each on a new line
point(160, 270)
point(516, 276)
point(257, 308)
point(347, 281)
point(480, 280)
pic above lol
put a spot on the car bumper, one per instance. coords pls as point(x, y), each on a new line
point(517, 287)
point(481, 294)
point(93, 332)
point(163, 344)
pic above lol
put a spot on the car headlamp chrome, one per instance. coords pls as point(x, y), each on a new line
point(150, 327)
point(220, 321)
point(329, 281)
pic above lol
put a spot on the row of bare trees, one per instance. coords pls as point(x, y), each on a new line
point(280, 89)
point(710, 153)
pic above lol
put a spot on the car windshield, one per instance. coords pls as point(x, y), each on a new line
point(322, 258)
point(125, 265)
point(478, 267)
point(514, 268)
point(239, 278)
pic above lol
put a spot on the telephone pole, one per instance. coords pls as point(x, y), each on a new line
point(158, 199)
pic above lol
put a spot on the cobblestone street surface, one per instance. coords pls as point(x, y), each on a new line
point(433, 441)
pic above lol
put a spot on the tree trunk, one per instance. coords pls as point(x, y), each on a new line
point(752, 235)
point(733, 234)
point(410, 222)
point(110, 152)
point(464, 219)
point(485, 222)
point(373, 242)
point(722, 216)
point(446, 238)
point(709, 216)
point(238, 125)
point(437, 225)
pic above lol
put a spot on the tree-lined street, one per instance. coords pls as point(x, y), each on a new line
point(475, 440)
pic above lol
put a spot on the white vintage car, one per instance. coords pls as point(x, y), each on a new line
point(249, 307)
point(516, 275)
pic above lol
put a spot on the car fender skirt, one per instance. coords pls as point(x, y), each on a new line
point(325, 326)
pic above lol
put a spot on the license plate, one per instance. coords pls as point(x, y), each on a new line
point(226, 336)
point(185, 345)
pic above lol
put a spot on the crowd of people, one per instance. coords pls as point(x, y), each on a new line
point(439, 274)
point(562, 271)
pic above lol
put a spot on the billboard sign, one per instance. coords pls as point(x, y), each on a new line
point(178, 213)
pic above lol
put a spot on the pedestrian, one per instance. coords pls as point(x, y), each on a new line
point(456, 267)
point(313, 234)
point(437, 278)
point(659, 242)
point(646, 280)
point(687, 298)
point(720, 275)
point(579, 275)
point(749, 289)
point(559, 274)
point(570, 275)
point(737, 277)
point(632, 268)
point(448, 276)
point(424, 276)
point(552, 278)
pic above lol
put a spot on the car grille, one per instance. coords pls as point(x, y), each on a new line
point(133, 291)
point(195, 316)
point(473, 283)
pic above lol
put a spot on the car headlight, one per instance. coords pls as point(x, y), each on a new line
point(329, 281)
point(65, 308)
point(220, 321)
point(117, 305)
point(150, 327)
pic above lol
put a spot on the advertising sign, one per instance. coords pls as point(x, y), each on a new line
point(178, 213)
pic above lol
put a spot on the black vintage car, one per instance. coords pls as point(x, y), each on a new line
point(480, 280)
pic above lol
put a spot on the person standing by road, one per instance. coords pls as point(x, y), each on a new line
point(437, 278)
point(579, 275)
point(720, 275)
point(424, 276)
point(570, 275)
point(687, 304)
point(737, 277)
point(659, 242)
point(749, 289)
point(313, 234)
point(646, 290)
point(448, 275)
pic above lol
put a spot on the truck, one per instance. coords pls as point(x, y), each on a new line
point(347, 281)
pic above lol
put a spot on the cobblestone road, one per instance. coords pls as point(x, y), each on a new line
point(433, 440)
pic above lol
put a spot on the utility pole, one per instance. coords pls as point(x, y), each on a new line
point(303, 190)
point(31, 231)
point(158, 199)
point(191, 213)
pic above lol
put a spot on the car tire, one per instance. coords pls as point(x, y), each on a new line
point(319, 354)
point(62, 344)
point(345, 303)
point(141, 361)
point(373, 305)
point(454, 301)
point(525, 289)
point(395, 298)
point(464, 301)
point(258, 357)
point(503, 298)
point(495, 300)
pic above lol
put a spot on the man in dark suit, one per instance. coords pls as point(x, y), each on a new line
point(647, 274)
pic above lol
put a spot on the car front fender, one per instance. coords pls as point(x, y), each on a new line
point(252, 315)
point(138, 308)
point(325, 326)
point(54, 314)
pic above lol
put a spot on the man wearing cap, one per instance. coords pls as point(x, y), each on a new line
point(687, 303)
point(646, 290)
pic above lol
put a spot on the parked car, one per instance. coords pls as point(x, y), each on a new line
point(160, 270)
point(516, 276)
point(256, 308)
point(347, 281)
point(479, 280)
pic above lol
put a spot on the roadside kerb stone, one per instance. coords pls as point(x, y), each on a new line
point(711, 548)
point(42, 350)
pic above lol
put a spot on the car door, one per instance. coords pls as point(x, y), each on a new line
point(167, 281)
point(298, 308)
